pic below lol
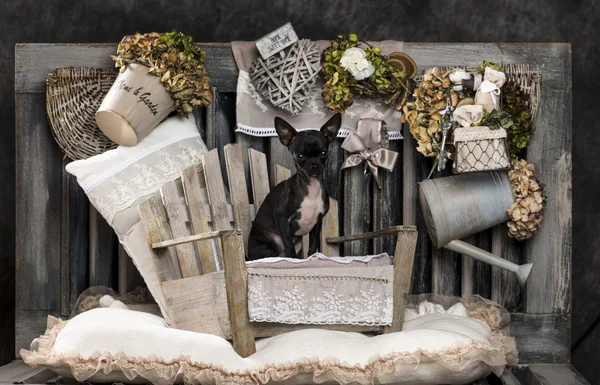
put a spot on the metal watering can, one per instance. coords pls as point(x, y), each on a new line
point(458, 206)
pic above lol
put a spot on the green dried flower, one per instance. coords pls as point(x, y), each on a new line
point(386, 82)
point(176, 60)
point(517, 105)
point(481, 68)
point(497, 119)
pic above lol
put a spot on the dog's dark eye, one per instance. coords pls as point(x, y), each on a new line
point(300, 156)
point(324, 153)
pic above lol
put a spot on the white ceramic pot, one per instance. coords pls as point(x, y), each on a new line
point(134, 105)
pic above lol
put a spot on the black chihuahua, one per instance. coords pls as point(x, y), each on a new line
point(297, 205)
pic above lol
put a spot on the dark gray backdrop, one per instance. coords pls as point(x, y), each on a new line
point(77, 21)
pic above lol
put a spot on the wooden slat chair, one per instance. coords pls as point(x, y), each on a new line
point(194, 227)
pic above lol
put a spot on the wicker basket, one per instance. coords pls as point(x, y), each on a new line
point(73, 96)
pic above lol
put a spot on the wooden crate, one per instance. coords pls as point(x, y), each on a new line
point(82, 250)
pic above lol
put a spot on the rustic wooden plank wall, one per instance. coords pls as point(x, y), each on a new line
point(47, 253)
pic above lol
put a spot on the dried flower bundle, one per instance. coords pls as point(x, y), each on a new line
point(527, 212)
point(368, 74)
point(176, 60)
point(423, 112)
point(517, 104)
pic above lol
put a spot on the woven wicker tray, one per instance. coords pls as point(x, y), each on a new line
point(73, 96)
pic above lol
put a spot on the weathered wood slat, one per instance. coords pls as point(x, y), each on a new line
point(409, 177)
point(200, 120)
point(211, 121)
point(238, 190)
point(18, 371)
point(403, 263)
point(103, 251)
point(237, 294)
point(281, 173)
point(260, 177)
point(30, 324)
point(541, 338)
point(550, 151)
point(224, 104)
point(357, 210)
point(476, 276)
point(506, 289)
point(34, 61)
point(198, 219)
point(188, 298)
point(446, 264)
point(422, 268)
point(373, 234)
point(387, 204)
point(38, 211)
point(549, 374)
point(216, 191)
point(279, 156)
point(334, 181)
point(508, 378)
point(190, 238)
point(330, 229)
point(188, 261)
point(247, 142)
point(74, 243)
point(156, 226)
point(129, 277)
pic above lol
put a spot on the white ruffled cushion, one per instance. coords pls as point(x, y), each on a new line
point(107, 344)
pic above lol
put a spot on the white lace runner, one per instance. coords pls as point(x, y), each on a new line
point(138, 178)
point(354, 296)
point(255, 115)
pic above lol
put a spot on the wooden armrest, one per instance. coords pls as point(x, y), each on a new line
point(394, 230)
point(195, 237)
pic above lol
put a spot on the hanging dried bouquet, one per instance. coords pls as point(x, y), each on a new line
point(352, 67)
point(423, 112)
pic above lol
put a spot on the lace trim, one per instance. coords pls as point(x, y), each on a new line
point(317, 256)
point(115, 170)
point(268, 132)
point(145, 177)
point(496, 352)
point(482, 133)
point(319, 277)
point(272, 300)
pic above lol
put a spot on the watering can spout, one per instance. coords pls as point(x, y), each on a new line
point(522, 271)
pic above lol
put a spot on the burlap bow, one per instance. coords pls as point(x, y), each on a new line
point(488, 94)
point(367, 145)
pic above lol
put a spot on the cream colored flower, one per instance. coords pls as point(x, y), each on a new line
point(355, 61)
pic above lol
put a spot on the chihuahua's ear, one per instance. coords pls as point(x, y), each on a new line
point(286, 132)
point(331, 127)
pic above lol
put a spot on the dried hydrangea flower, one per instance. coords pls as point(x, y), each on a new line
point(527, 212)
point(422, 113)
point(176, 60)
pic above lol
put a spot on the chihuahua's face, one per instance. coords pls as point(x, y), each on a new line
point(309, 147)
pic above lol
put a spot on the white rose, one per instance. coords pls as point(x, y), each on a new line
point(355, 61)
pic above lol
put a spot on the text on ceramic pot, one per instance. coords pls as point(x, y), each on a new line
point(144, 97)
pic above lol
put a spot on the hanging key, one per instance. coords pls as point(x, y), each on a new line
point(447, 122)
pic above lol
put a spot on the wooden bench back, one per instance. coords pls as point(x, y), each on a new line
point(199, 202)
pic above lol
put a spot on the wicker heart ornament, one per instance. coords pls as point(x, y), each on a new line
point(287, 77)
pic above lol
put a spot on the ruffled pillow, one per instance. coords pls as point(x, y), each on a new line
point(118, 345)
